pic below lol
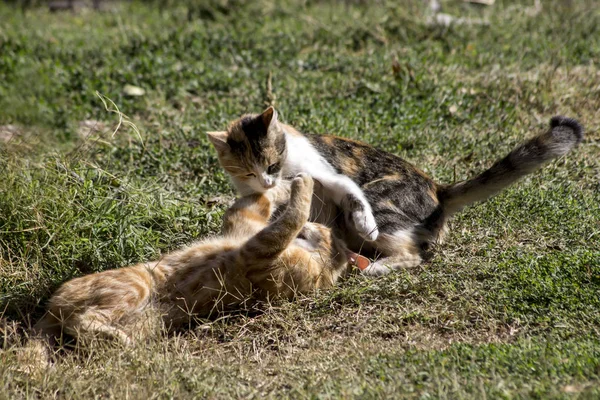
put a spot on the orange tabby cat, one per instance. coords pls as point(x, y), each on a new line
point(251, 260)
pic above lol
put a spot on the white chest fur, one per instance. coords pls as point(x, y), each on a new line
point(303, 157)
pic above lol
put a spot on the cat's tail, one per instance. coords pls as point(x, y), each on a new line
point(562, 136)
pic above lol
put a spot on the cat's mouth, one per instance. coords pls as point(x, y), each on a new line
point(361, 262)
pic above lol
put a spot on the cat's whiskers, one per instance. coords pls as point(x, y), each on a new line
point(328, 222)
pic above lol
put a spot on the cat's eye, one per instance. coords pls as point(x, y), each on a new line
point(250, 175)
point(274, 168)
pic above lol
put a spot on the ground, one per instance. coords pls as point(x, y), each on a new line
point(509, 307)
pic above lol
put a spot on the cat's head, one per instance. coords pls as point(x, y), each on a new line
point(252, 151)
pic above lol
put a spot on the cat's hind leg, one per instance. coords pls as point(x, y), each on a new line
point(94, 324)
point(399, 250)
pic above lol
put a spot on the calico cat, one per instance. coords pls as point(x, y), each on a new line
point(392, 210)
point(252, 259)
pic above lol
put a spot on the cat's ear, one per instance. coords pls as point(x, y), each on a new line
point(269, 117)
point(219, 140)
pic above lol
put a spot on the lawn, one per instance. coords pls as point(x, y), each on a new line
point(509, 306)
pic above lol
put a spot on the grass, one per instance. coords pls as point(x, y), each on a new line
point(508, 308)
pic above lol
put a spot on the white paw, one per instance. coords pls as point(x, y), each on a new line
point(378, 268)
point(384, 266)
point(365, 224)
point(303, 179)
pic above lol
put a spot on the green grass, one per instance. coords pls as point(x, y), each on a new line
point(509, 307)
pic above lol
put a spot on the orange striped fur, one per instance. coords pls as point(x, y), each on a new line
point(252, 260)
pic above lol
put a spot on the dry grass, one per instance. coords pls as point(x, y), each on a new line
point(507, 308)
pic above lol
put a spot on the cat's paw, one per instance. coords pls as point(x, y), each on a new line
point(360, 215)
point(302, 180)
point(379, 268)
point(299, 205)
point(385, 265)
point(365, 225)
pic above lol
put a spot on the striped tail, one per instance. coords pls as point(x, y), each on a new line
point(563, 135)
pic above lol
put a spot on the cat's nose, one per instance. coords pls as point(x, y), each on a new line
point(268, 182)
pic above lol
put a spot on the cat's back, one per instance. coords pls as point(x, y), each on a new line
point(365, 163)
point(400, 194)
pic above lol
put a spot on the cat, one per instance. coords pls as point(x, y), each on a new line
point(252, 259)
point(392, 211)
